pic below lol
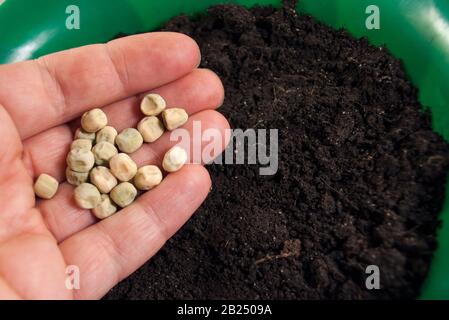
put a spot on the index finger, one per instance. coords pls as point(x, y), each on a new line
point(40, 94)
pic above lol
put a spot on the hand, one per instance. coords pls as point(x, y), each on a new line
point(39, 103)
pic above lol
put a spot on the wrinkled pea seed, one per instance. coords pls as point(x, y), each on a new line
point(94, 120)
point(152, 104)
point(81, 144)
point(129, 140)
point(76, 178)
point(103, 179)
point(123, 194)
point(151, 128)
point(107, 134)
point(80, 160)
point(97, 143)
point(103, 152)
point(174, 159)
point(87, 196)
point(123, 167)
point(81, 134)
point(46, 186)
point(174, 118)
point(147, 177)
point(105, 208)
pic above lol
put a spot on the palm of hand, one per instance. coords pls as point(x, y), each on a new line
point(39, 103)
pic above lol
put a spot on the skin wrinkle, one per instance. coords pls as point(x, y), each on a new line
point(50, 221)
point(112, 250)
point(18, 152)
point(76, 214)
point(59, 104)
point(121, 76)
point(124, 75)
point(27, 159)
point(28, 156)
point(47, 222)
point(148, 209)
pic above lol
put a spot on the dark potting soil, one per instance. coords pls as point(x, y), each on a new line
point(360, 181)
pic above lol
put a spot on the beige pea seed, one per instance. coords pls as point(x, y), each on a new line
point(129, 140)
point(174, 118)
point(147, 177)
point(105, 208)
point(76, 178)
point(81, 134)
point(123, 167)
point(151, 128)
point(80, 160)
point(103, 179)
point(87, 196)
point(152, 104)
point(46, 186)
point(174, 159)
point(81, 144)
point(123, 194)
point(94, 120)
point(103, 152)
point(107, 134)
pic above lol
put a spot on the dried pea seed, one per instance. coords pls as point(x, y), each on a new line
point(123, 194)
point(174, 118)
point(123, 167)
point(80, 160)
point(87, 196)
point(107, 134)
point(76, 178)
point(151, 128)
point(81, 144)
point(174, 159)
point(46, 186)
point(103, 179)
point(147, 177)
point(94, 120)
point(105, 208)
point(152, 104)
point(103, 152)
point(81, 134)
point(129, 140)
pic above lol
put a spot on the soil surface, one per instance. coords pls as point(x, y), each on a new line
point(360, 181)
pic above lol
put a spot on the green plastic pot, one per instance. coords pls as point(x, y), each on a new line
point(416, 31)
